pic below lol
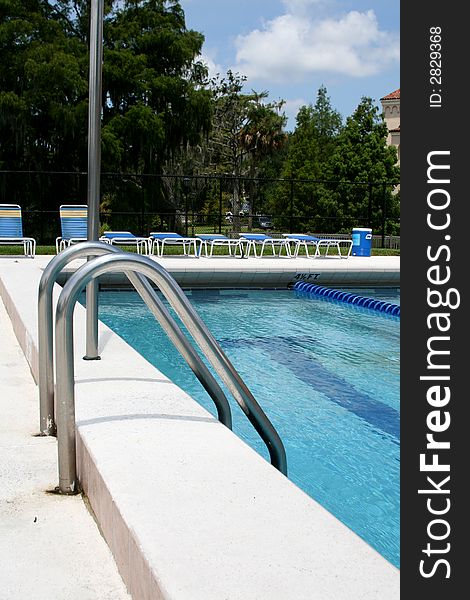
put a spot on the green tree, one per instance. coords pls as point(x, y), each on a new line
point(264, 138)
point(362, 157)
point(43, 97)
point(309, 149)
point(154, 100)
point(154, 97)
point(245, 130)
point(313, 140)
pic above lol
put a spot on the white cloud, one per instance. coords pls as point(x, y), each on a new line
point(213, 67)
point(297, 7)
point(297, 44)
point(291, 108)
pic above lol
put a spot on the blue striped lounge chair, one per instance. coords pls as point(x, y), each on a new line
point(251, 240)
point(126, 238)
point(11, 229)
point(73, 224)
point(159, 239)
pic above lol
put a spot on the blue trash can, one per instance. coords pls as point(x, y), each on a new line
point(361, 241)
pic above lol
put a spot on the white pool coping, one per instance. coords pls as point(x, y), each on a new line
point(272, 272)
point(189, 510)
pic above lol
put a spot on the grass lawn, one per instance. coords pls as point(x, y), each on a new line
point(50, 250)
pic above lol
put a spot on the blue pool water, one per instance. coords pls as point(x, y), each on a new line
point(325, 373)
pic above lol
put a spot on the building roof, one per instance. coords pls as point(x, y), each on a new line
point(393, 96)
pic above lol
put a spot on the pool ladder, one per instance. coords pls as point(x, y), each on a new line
point(139, 270)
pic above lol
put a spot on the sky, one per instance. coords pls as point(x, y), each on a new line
point(290, 48)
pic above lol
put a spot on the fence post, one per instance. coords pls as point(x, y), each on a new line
point(186, 182)
point(220, 204)
point(384, 213)
point(142, 207)
point(291, 207)
point(41, 226)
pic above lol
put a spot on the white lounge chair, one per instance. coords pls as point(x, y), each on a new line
point(251, 240)
point(159, 239)
point(299, 240)
point(126, 238)
point(210, 240)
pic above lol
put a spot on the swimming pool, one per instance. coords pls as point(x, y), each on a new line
point(325, 373)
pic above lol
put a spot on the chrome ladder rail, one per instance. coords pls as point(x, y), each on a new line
point(47, 422)
point(124, 262)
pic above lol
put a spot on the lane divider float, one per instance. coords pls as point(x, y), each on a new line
point(371, 303)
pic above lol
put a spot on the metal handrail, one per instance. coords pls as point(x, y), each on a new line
point(169, 325)
point(194, 324)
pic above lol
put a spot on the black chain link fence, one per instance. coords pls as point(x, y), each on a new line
point(191, 205)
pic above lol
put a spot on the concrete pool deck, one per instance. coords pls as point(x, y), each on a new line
point(50, 545)
point(188, 510)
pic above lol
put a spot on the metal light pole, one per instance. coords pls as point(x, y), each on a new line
point(94, 165)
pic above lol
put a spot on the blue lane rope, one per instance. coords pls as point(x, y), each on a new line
point(378, 305)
